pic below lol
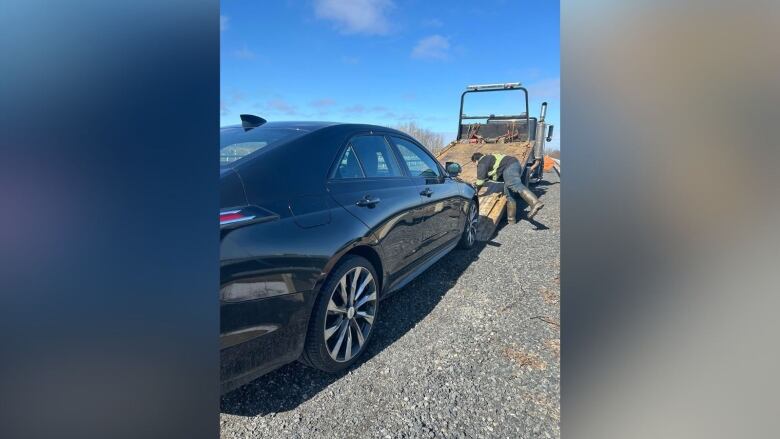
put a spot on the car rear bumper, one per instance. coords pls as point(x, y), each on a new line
point(261, 335)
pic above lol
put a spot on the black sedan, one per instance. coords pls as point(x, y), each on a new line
point(318, 222)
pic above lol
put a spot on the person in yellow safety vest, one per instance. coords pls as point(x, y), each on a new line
point(499, 167)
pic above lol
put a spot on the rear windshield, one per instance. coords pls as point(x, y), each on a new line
point(235, 143)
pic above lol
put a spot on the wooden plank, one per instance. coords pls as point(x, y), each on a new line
point(491, 210)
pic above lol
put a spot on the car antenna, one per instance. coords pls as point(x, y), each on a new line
point(249, 121)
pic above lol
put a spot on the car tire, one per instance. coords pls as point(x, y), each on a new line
point(469, 235)
point(352, 317)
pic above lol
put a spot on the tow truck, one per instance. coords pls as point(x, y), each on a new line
point(509, 134)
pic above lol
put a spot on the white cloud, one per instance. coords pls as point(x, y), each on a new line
point(432, 47)
point(356, 16)
point(281, 106)
point(223, 23)
point(244, 53)
point(355, 109)
point(322, 103)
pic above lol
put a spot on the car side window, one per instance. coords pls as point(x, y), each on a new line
point(349, 167)
point(419, 163)
point(376, 156)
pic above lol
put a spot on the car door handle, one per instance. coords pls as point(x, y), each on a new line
point(368, 201)
point(427, 192)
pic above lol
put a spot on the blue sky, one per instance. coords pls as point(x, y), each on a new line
point(385, 61)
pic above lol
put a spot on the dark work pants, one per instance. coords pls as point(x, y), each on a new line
point(513, 183)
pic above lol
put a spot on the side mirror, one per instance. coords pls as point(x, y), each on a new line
point(452, 168)
point(549, 133)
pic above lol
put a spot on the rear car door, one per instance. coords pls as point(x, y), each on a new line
point(439, 194)
point(368, 181)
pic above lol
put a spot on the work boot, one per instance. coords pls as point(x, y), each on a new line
point(511, 210)
point(534, 203)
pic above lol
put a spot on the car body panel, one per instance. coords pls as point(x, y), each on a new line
point(273, 340)
point(441, 201)
point(393, 220)
point(231, 189)
point(408, 273)
point(442, 211)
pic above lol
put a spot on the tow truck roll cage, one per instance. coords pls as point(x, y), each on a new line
point(509, 86)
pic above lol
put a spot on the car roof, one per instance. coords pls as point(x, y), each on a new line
point(312, 126)
point(301, 125)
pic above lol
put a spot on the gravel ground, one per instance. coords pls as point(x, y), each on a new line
point(470, 349)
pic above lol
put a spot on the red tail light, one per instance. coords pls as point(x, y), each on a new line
point(240, 216)
point(233, 216)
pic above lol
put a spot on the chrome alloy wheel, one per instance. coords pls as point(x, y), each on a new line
point(350, 314)
point(471, 224)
